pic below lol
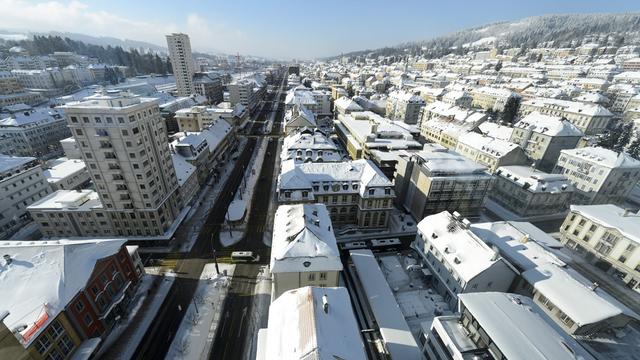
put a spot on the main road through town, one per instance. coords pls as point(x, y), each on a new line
point(232, 328)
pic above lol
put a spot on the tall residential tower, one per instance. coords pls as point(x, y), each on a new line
point(182, 62)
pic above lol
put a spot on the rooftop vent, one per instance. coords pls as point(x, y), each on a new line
point(8, 259)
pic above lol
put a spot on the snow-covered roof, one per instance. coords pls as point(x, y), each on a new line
point(495, 130)
point(603, 157)
point(443, 162)
point(569, 106)
point(301, 176)
point(548, 125)
point(461, 249)
point(378, 132)
point(300, 327)
point(33, 117)
point(535, 180)
point(61, 168)
point(303, 240)
point(347, 104)
point(534, 254)
point(304, 141)
point(487, 144)
point(397, 336)
point(44, 276)
point(213, 135)
point(8, 163)
point(68, 200)
point(405, 96)
point(519, 328)
point(183, 169)
point(456, 113)
point(612, 216)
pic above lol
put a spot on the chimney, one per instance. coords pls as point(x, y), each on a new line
point(325, 303)
point(496, 253)
point(594, 286)
point(626, 212)
point(8, 259)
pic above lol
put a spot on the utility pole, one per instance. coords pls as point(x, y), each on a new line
point(215, 256)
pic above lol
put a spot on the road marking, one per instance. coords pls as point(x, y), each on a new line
point(244, 313)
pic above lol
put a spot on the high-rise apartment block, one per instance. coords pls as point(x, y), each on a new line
point(182, 62)
point(123, 142)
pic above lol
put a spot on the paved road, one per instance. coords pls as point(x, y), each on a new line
point(189, 265)
point(231, 338)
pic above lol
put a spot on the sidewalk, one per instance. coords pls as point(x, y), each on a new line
point(124, 338)
point(195, 336)
point(260, 312)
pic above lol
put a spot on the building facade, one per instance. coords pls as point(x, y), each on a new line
point(182, 62)
point(607, 236)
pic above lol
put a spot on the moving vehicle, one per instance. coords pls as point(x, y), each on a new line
point(244, 256)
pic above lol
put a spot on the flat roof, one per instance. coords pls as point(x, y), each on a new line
point(393, 327)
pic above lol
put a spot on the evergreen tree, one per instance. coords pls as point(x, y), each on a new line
point(510, 110)
point(609, 138)
point(623, 139)
point(498, 66)
point(634, 147)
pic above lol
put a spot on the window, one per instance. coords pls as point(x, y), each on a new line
point(55, 330)
point(54, 355)
point(66, 344)
point(88, 320)
point(323, 276)
point(312, 277)
point(43, 344)
point(372, 191)
point(79, 132)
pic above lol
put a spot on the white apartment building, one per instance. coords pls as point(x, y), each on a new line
point(489, 151)
point(309, 146)
point(198, 118)
point(123, 141)
point(495, 325)
point(316, 101)
point(576, 304)
point(298, 118)
point(628, 77)
point(344, 105)
point(303, 249)
point(182, 62)
point(36, 132)
point(355, 192)
point(362, 133)
point(247, 91)
point(209, 84)
point(40, 79)
point(458, 98)
point(404, 106)
point(591, 119)
point(66, 174)
point(607, 236)
point(21, 184)
point(436, 179)
point(543, 137)
point(459, 261)
point(311, 323)
point(599, 176)
point(489, 98)
point(528, 192)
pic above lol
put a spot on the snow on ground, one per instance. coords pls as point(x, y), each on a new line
point(418, 301)
point(260, 313)
point(125, 347)
point(197, 330)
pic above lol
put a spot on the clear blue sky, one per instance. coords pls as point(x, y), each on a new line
point(285, 28)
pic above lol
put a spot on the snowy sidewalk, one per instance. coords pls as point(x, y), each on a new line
point(123, 340)
point(198, 328)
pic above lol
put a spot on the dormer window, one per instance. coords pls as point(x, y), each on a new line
point(372, 191)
